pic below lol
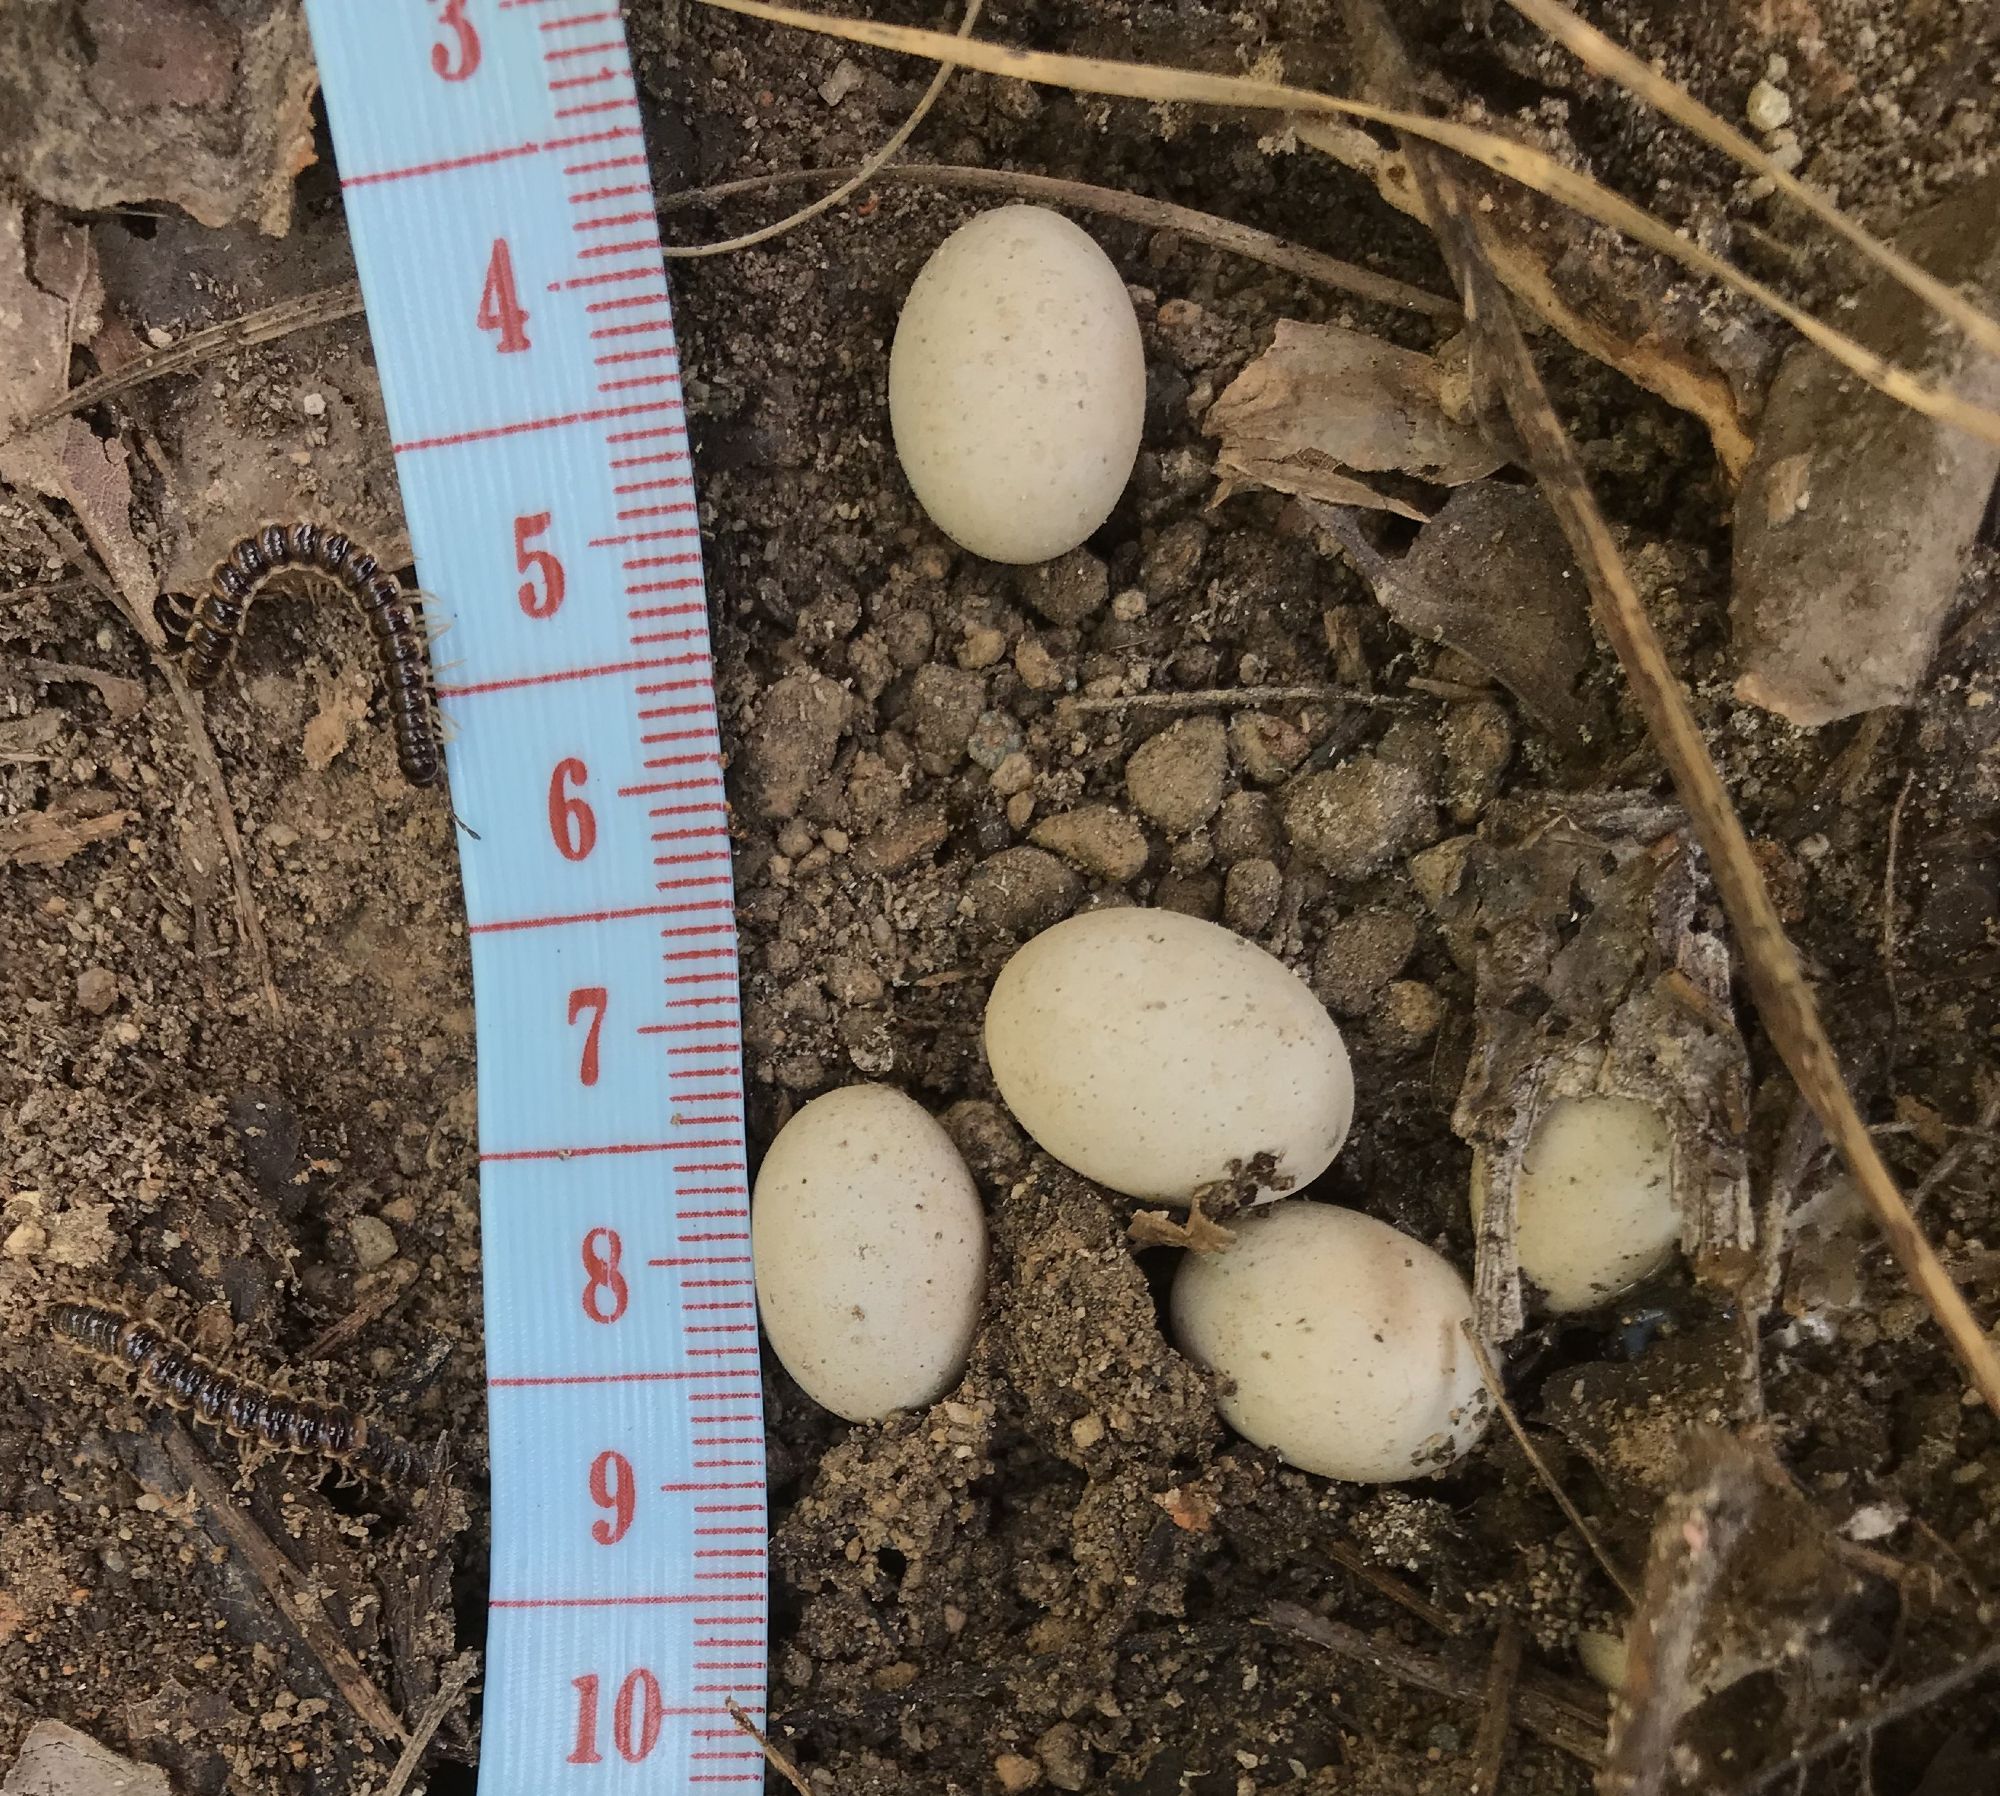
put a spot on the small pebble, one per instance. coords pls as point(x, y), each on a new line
point(982, 647)
point(1099, 840)
point(1478, 744)
point(1354, 819)
point(1069, 590)
point(1020, 808)
point(1250, 894)
point(1039, 670)
point(1016, 773)
point(1267, 748)
point(1409, 1015)
point(25, 1240)
point(1065, 1757)
point(1246, 828)
point(313, 405)
point(160, 339)
point(374, 1241)
point(1177, 778)
point(945, 704)
point(96, 990)
point(996, 737)
point(1020, 891)
point(1359, 957)
point(1129, 606)
point(1768, 107)
point(1016, 1772)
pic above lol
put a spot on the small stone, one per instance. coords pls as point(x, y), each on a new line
point(1170, 566)
point(1354, 819)
point(835, 841)
point(160, 339)
point(1177, 777)
point(983, 647)
point(1359, 957)
point(1785, 150)
point(1478, 744)
point(1065, 1758)
point(25, 1240)
point(1768, 107)
point(1016, 773)
point(313, 405)
point(846, 77)
point(988, 1140)
point(96, 990)
point(1039, 670)
point(1436, 872)
point(1267, 748)
point(1020, 808)
point(791, 745)
point(995, 737)
point(908, 636)
point(946, 703)
point(1097, 839)
point(907, 838)
point(1193, 894)
point(1129, 606)
point(847, 981)
point(374, 1241)
point(1408, 1016)
point(1086, 1431)
point(1069, 590)
point(1020, 891)
point(1250, 894)
point(795, 839)
point(1016, 1772)
point(1246, 829)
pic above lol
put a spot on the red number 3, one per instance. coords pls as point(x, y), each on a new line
point(454, 20)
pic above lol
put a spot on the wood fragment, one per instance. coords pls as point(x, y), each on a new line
point(1112, 202)
point(1777, 981)
point(1565, 1723)
point(1692, 1541)
point(1491, 1379)
point(772, 1755)
point(1889, 860)
point(304, 313)
point(1386, 1583)
point(123, 698)
point(1518, 162)
point(457, 1680)
point(274, 1573)
point(48, 838)
point(1225, 698)
point(1489, 1746)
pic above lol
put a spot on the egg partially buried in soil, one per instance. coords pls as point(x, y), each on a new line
point(1017, 385)
point(870, 1253)
point(1340, 1343)
point(1157, 1053)
point(1594, 1209)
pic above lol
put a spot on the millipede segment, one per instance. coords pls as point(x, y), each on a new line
point(174, 1374)
point(205, 628)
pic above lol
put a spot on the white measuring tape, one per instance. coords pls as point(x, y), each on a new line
point(497, 192)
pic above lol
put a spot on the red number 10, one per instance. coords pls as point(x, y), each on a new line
point(636, 1715)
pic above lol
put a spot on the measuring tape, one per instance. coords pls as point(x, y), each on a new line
point(497, 192)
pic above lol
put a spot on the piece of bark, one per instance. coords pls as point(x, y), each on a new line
point(1324, 404)
point(48, 838)
point(172, 101)
point(1491, 576)
point(1857, 514)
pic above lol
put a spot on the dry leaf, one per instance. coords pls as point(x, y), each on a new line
point(1323, 404)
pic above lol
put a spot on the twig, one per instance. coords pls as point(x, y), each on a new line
point(1491, 1379)
point(1599, 53)
point(1568, 1726)
point(1954, 1156)
point(1889, 899)
point(1906, 1702)
point(1489, 1745)
point(1798, 1147)
point(1113, 202)
point(867, 170)
point(1386, 1583)
point(1696, 1532)
point(377, 1303)
point(1522, 163)
point(280, 320)
point(1224, 698)
point(1784, 998)
point(772, 1756)
point(274, 1571)
point(457, 1679)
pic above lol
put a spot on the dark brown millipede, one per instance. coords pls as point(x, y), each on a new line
point(181, 1378)
point(205, 629)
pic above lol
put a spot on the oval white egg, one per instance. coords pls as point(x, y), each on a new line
point(870, 1253)
point(1594, 1204)
point(1339, 1342)
point(1154, 1053)
point(1017, 385)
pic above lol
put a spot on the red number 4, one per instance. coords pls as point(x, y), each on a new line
point(500, 307)
point(595, 999)
point(542, 601)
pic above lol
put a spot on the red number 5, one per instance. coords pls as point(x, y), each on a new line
point(595, 999)
point(453, 19)
point(542, 601)
point(572, 822)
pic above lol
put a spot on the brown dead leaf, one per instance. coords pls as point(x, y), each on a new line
point(1190, 1508)
point(123, 698)
point(1323, 404)
point(48, 838)
point(1162, 1228)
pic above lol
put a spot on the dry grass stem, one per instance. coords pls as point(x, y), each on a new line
point(1385, 1583)
point(773, 1756)
point(192, 351)
point(1517, 162)
point(866, 172)
point(1503, 1671)
point(457, 1679)
point(1889, 860)
point(1491, 1379)
point(1110, 202)
point(1224, 698)
point(274, 1573)
point(1612, 60)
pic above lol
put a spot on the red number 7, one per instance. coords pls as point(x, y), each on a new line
point(595, 999)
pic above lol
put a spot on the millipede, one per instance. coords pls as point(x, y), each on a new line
point(205, 629)
point(176, 1375)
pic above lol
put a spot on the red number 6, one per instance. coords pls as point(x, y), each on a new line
point(572, 823)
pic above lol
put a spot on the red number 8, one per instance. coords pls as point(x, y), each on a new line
point(604, 1297)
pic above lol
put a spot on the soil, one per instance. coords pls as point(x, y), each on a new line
point(1065, 1573)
